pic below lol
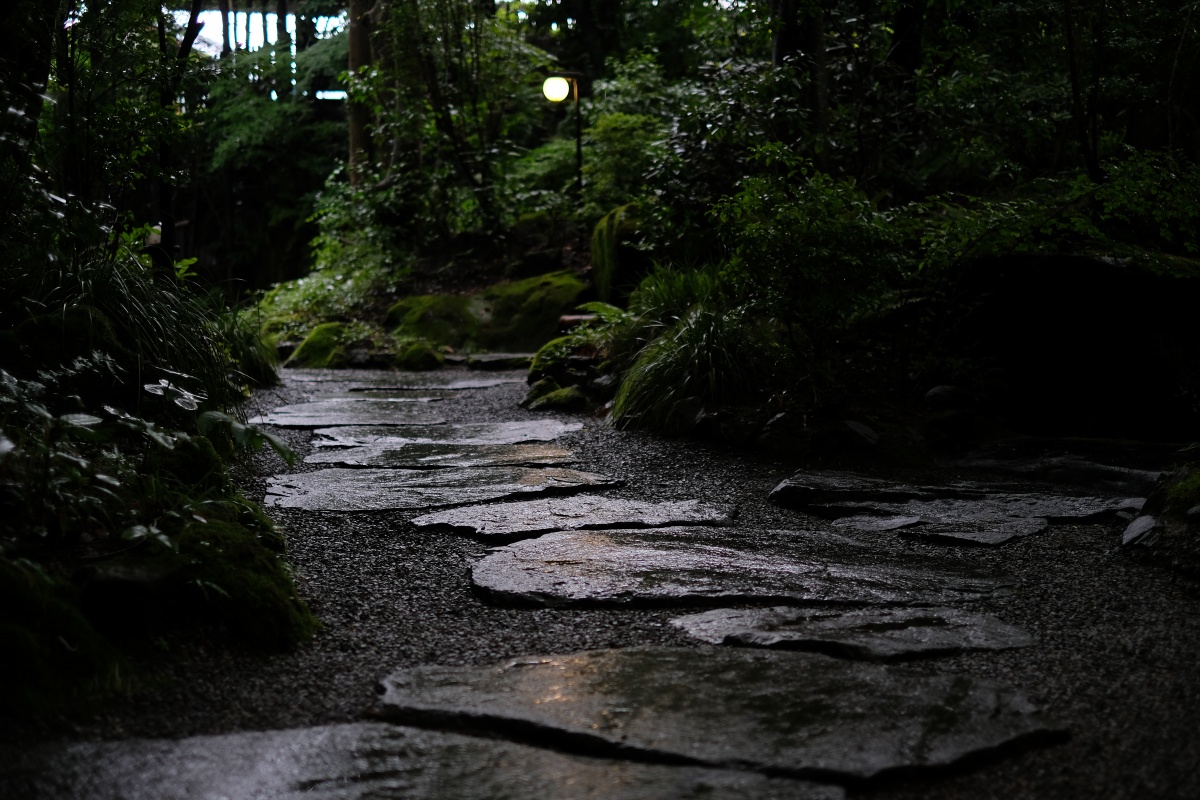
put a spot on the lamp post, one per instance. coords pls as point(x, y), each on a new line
point(556, 88)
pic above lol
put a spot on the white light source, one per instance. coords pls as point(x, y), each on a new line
point(556, 89)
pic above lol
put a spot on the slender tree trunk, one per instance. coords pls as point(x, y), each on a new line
point(358, 115)
point(282, 36)
point(223, 7)
point(28, 33)
point(1078, 112)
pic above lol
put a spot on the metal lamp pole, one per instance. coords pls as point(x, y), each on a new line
point(556, 88)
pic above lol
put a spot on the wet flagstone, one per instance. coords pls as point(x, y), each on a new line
point(320, 413)
point(368, 379)
point(981, 529)
point(707, 566)
point(508, 521)
point(340, 489)
point(438, 455)
point(877, 634)
point(364, 760)
point(469, 433)
point(798, 714)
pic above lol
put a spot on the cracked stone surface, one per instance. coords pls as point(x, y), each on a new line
point(708, 566)
point(320, 413)
point(507, 521)
point(1071, 470)
point(470, 433)
point(439, 455)
point(360, 761)
point(878, 634)
point(341, 489)
point(369, 379)
point(981, 529)
point(799, 714)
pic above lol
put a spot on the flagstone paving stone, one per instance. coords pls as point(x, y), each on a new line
point(321, 413)
point(358, 761)
point(509, 521)
point(799, 714)
point(981, 530)
point(342, 489)
point(709, 566)
point(877, 634)
point(452, 379)
point(469, 433)
point(438, 455)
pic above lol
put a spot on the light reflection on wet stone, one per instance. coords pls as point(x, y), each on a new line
point(466, 433)
point(508, 521)
point(877, 634)
point(696, 566)
point(793, 713)
point(320, 413)
point(341, 489)
point(361, 761)
point(437, 455)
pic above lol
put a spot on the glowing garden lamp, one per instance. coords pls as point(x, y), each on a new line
point(557, 88)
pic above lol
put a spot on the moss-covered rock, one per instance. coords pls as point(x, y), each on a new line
point(525, 314)
point(419, 356)
point(323, 348)
point(540, 389)
point(570, 399)
point(448, 319)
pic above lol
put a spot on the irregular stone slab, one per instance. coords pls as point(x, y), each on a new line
point(350, 412)
point(806, 489)
point(707, 566)
point(1073, 471)
point(987, 510)
point(385, 379)
point(455, 385)
point(360, 761)
point(979, 530)
point(884, 634)
point(471, 433)
point(498, 361)
point(1142, 530)
point(509, 521)
point(387, 489)
point(797, 714)
point(393, 395)
point(436, 455)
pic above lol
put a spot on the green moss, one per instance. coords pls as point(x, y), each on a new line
point(613, 227)
point(568, 399)
point(551, 357)
point(539, 390)
point(233, 579)
point(49, 653)
point(322, 348)
point(448, 319)
point(419, 356)
point(1185, 493)
point(525, 314)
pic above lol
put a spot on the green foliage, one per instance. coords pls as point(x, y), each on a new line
point(804, 248)
point(452, 320)
point(419, 356)
point(322, 348)
point(622, 149)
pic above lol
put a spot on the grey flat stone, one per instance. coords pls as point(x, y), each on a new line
point(386, 489)
point(498, 361)
point(877, 634)
point(1141, 531)
point(320, 413)
point(361, 761)
point(806, 489)
point(798, 714)
point(471, 433)
point(507, 521)
point(382, 378)
point(1071, 470)
point(392, 395)
point(437, 455)
point(1053, 507)
point(454, 385)
point(707, 566)
point(978, 530)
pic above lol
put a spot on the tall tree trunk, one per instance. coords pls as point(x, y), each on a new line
point(282, 36)
point(223, 7)
point(28, 32)
point(1083, 124)
point(358, 115)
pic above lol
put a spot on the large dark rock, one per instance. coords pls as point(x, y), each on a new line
point(709, 566)
point(795, 714)
point(877, 634)
point(320, 413)
point(509, 521)
point(386, 489)
point(1079, 345)
point(362, 761)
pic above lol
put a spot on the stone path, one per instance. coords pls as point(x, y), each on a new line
point(741, 715)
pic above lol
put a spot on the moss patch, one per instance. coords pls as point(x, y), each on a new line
point(569, 399)
point(525, 314)
point(322, 348)
point(445, 319)
point(419, 356)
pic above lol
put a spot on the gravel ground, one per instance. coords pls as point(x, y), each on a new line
point(1116, 659)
